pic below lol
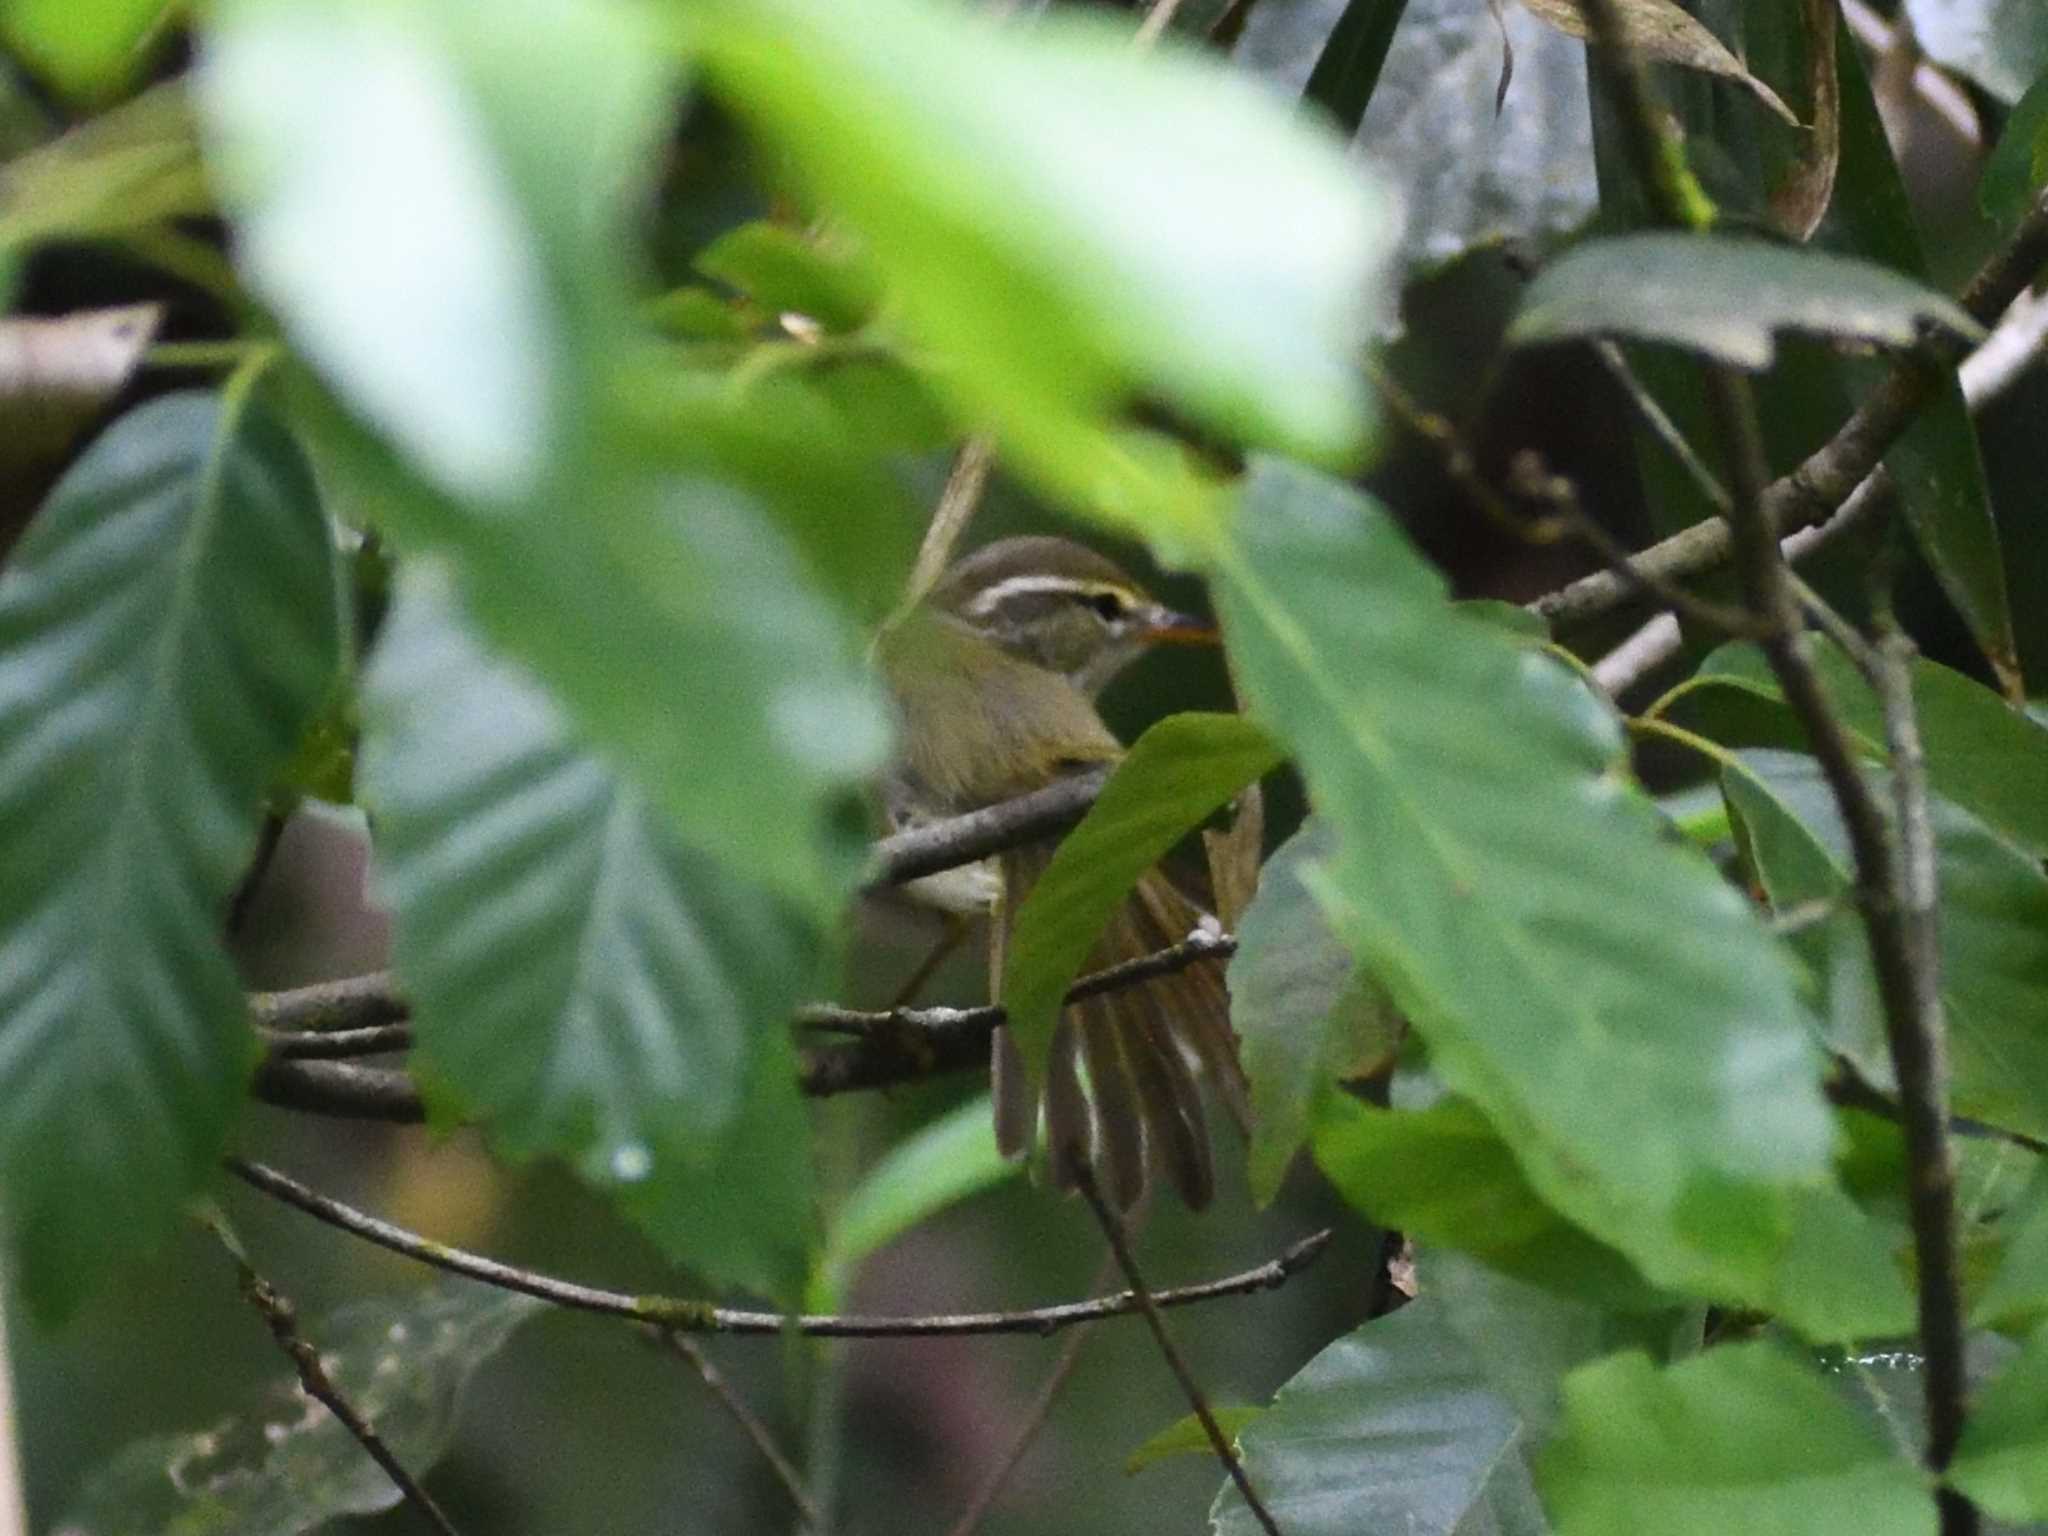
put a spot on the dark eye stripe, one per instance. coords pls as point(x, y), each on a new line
point(1107, 605)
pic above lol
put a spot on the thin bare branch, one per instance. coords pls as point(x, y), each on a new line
point(687, 1316)
point(686, 1348)
point(958, 840)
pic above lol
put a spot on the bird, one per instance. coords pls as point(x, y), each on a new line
point(994, 678)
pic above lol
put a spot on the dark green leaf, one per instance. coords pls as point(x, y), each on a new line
point(1391, 1428)
point(1185, 1436)
point(1524, 905)
point(1994, 936)
point(2001, 44)
point(2002, 1462)
point(1177, 775)
point(1742, 1438)
point(596, 990)
point(86, 47)
point(1065, 222)
point(1303, 1010)
point(2018, 1292)
point(288, 1465)
point(782, 271)
point(1725, 297)
point(1444, 1175)
point(169, 624)
point(2018, 167)
point(953, 1157)
point(1982, 754)
point(1349, 66)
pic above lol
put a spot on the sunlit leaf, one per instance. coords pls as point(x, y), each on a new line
point(1725, 297)
point(1744, 1437)
point(86, 47)
point(781, 270)
point(287, 1465)
point(594, 989)
point(1185, 1436)
point(168, 625)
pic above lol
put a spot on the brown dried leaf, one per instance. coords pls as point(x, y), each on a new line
point(1800, 200)
point(1666, 34)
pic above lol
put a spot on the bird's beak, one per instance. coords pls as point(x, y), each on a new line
point(1165, 627)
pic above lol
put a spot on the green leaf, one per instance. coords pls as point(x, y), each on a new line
point(436, 212)
point(953, 1157)
point(595, 989)
point(1178, 774)
point(1443, 1175)
point(1726, 298)
point(781, 270)
point(1349, 66)
point(679, 623)
point(1613, 1007)
point(2018, 167)
point(1391, 1428)
point(1742, 1438)
point(2018, 1292)
point(86, 47)
point(2001, 1463)
point(1303, 1010)
point(170, 622)
point(286, 1465)
point(1994, 936)
point(1067, 223)
point(120, 171)
point(1186, 1437)
point(2001, 44)
point(1982, 754)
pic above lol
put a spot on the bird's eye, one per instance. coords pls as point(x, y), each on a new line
point(1107, 605)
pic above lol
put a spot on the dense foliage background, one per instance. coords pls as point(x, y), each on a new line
point(454, 457)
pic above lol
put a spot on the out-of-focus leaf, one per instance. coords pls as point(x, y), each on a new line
point(1522, 903)
point(2001, 1464)
point(953, 1157)
point(1743, 1437)
point(1066, 222)
point(86, 47)
point(121, 170)
point(1391, 1428)
point(1178, 774)
point(1659, 30)
point(782, 271)
point(2001, 44)
point(1994, 936)
point(288, 1465)
point(2018, 167)
point(1724, 297)
point(168, 625)
point(435, 214)
point(1186, 1437)
point(1303, 1010)
point(1986, 756)
point(596, 990)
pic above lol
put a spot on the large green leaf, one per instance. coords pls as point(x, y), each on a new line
point(1067, 222)
point(1391, 1428)
point(1613, 1007)
point(1178, 774)
point(86, 46)
point(2002, 1461)
point(1742, 1438)
point(1982, 754)
point(1443, 1175)
point(2018, 1291)
point(1303, 1008)
point(591, 986)
point(168, 625)
point(2001, 44)
point(1994, 936)
point(1727, 298)
point(287, 1465)
point(953, 1157)
point(436, 212)
point(2018, 165)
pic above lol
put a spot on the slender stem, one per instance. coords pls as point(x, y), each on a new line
point(962, 494)
point(689, 1316)
point(281, 1316)
point(1198, 1401)
point(686, 1348)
